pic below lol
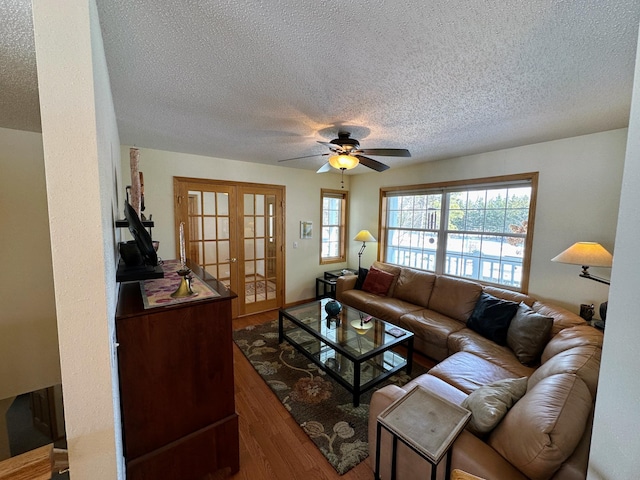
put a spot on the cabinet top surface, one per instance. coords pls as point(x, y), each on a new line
point(130, 302)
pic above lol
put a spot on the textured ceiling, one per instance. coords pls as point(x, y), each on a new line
point(262, 81)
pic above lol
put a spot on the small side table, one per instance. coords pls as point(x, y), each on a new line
point(426, 423)
point(333, 274)
point(325, 288)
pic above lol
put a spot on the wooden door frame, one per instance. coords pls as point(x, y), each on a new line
point(179, 182)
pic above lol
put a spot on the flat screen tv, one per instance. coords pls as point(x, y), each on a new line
point(141, 236)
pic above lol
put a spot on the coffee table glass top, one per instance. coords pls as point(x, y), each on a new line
point(357, 335)
point(356, 349)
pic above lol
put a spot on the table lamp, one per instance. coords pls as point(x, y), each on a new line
point(363, 236)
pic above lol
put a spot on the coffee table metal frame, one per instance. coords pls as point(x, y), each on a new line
point(315, 320)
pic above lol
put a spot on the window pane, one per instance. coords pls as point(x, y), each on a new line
point(484, 232)
point(333, 246)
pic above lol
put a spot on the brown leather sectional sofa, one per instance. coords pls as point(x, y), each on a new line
point(545, 434)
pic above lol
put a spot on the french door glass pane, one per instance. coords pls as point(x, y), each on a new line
point(209, 200)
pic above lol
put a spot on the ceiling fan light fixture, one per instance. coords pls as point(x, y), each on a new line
point(343, 162)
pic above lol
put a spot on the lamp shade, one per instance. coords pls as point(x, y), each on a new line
point(364, 236)
point(343, 162)
point(589, 254)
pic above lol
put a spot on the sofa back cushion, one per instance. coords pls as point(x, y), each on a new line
point(509, 295)
point(393, 270)
point(414, 286)
point(583, 361)
point(571, 338)
point(548, 423)
point(562, 318)
point(454, 297)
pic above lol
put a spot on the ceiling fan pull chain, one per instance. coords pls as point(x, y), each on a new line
point(342, 177)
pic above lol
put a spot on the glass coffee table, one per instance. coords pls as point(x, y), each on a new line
point(355, 348)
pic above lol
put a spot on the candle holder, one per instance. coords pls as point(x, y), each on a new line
point(184, 289)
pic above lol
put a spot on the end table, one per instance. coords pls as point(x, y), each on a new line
point(426, 423)
point(325, 288)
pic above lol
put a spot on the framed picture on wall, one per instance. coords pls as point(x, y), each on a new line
point(306, 230)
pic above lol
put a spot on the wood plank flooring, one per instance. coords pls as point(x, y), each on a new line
point(272, 445)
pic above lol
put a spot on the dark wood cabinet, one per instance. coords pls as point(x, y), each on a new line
point(176, 386)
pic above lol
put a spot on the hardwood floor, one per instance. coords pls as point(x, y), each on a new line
point(272, 445)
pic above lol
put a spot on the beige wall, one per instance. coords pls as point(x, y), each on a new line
point(578, 195)
point(28, 334)
point(81, 157)
point(616, 442)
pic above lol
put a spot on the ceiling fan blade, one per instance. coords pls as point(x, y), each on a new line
point(324, 168)
point(386, 152)
point(373, 164)
point(306, 156)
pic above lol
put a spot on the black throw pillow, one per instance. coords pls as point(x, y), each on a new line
point(362, 275)
point(491, 317)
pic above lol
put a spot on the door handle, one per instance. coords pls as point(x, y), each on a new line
point(232, 260)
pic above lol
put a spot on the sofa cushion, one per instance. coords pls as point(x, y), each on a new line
point(548, 423)
point(377, 282)
point(389, 309)
point(528, 334)
point(467, 372)
point(414, 286)
point(489, 403)
point(356, 299)
point(491, 317)
point(583, 361)
point(362, 275)
point(433, 328)
point(454, 297)
point(562, 318)
point(570, 338)
point(467, 340)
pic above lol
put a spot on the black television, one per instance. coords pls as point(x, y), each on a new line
point(141, 236)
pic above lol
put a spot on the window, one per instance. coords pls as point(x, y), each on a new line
point(334, 226)
point(478, 229)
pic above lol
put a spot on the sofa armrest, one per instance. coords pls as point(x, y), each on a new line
point(344, 283)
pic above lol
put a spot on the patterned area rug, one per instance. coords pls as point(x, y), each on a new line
point(320, 405)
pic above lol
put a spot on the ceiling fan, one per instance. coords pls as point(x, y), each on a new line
point(346, 154)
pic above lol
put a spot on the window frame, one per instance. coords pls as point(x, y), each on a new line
point(531, 178)
point(343, 226)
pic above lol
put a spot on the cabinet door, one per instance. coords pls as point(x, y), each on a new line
point(176, 373)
